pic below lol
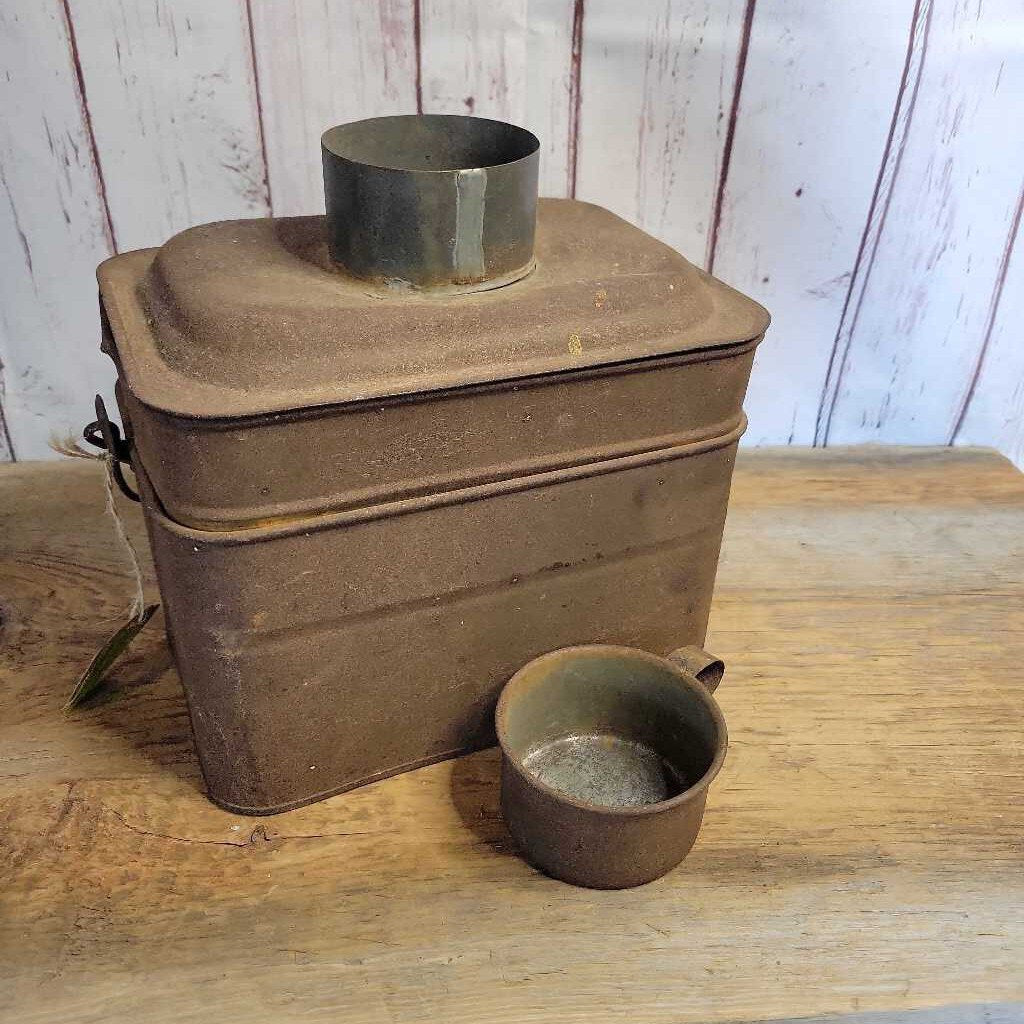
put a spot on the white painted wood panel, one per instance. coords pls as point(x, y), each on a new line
point(6, 450)
point(173, 103)
point(656, 89)
point(512, 61)
point(552, 80)
point(53, 232)
point(474, 58)
point(320, 65)
point(918, 323)
point(868, 204)
point(814, 116)
point(994, 406)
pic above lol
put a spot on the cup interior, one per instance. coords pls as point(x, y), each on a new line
point(430, 142)
point(609, 727)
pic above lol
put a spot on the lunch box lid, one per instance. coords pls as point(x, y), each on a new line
point(247, 317)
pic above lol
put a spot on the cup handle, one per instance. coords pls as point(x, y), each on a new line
point(704, 667)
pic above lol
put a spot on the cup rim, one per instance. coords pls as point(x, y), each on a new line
point(338, 139)
point(635, 653)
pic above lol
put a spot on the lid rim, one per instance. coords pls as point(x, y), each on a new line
point(509, 343)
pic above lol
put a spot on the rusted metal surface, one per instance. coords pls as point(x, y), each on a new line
point(433, 201)
point(607, 756)
point(244, 318)
point(348, 456)
point(328, 651)
point(239, 341)
point(368, 507)
point(106, 435)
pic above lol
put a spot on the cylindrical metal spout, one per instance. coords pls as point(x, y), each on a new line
point(431, 201)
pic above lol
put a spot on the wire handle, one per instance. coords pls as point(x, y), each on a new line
point(102, 433)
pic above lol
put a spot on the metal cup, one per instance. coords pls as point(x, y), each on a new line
point(607, 755)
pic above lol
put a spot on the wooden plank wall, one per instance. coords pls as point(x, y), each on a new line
point(855, 166)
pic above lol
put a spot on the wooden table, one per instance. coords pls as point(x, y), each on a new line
point(862, 858)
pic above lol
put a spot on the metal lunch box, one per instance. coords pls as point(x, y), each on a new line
point(376, 482)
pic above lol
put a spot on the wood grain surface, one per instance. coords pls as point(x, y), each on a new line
point(512, 61)
point(324, 64)
point(861, 859)
point(792, 215)
point(474, 58)
point(922, 295)
point(993, 407)
point(54, 229)
point(554, 37)
point(203, 103)
point(657, 85)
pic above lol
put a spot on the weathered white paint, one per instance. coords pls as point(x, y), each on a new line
point(994, 409)
point(474, 58)
point(656, 88)
point(512, 61)
point(903, 109)
point(551, 79)
point(814, 116)
point(914, 333)
point(320, 65)
point(53, 232)
point(891, 275)
point(170, 90)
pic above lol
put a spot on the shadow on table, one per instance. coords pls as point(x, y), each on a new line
point(143, 705)
point(476, 793)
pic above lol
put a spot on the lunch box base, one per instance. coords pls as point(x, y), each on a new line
point(310, 668)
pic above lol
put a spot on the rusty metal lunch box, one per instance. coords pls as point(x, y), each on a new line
point(389, 456)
